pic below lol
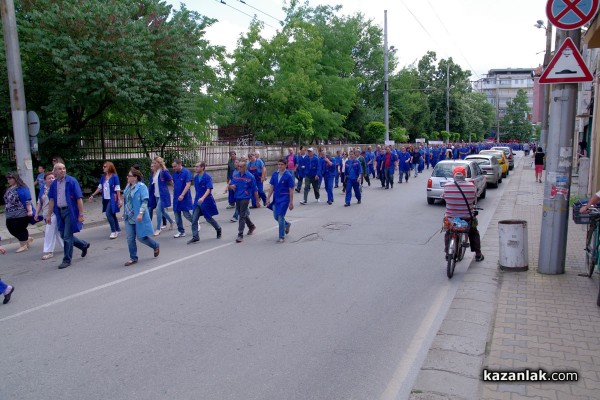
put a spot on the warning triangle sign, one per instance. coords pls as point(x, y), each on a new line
point(567, 66)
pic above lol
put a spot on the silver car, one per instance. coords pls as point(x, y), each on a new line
point(442, 173)
point(509, 155)
point(490, 167)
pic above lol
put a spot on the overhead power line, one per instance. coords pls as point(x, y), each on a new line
point(261, 11)
point(238, 10)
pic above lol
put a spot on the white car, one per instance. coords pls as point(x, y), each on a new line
point(442, 174)
point(490, 167)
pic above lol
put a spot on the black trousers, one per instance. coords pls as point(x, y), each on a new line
point(241, 207)
point(18, 227)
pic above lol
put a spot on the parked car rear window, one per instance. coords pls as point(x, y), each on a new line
point(444, 170)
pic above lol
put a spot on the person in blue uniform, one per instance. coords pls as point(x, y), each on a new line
point(353, 171)
point(434, 154)
point(182, 195)
point(5, 289)
point(204, 202)
point(312, 176)
point(110, 187)
point(244, 186)
point(380, 160)
point(329, 176)
point(282, 191)
point(337, 162)
point(136, 216)
point(301, 168)
point(416, 159)
point(404, 163)
point(370, 159)
point(421, 159)
point(160, 197)
point(256, 167)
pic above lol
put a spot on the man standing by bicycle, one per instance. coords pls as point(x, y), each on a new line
point(460, 197)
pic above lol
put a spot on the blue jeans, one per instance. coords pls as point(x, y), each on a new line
point(67, 235)
point(352, 184)
point(179, 220)
point(3, 286)
point(196, 216)
point(130, 231)
point(281, 221)
point(160, 211)
point(111, 216)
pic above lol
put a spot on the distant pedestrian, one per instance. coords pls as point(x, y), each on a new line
point(204, 202)
point(539, 157)
point(136, 216)
point(257, 168)
point(282, 190)
point(51, 234)
point(160, 197)
point(6, 290)
point(182, 196)
point(65, 201)
point(231, 167)
point(244, 186)
point(18, 210)
point(312, 175)
point(40, 178)
point(110, 187)
point(353, 171)
point(329, 176)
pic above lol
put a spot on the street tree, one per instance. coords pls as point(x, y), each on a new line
point(515, 124)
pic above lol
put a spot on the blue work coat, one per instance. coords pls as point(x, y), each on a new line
point(404, 158)
point(180, 179)
point(139, 193)
point(353, 169)
point(113, 182)
point(202, 183)
point(72, 194)
point(313, 167)
point(281, 191)
point(245, 185)
point(163, 189)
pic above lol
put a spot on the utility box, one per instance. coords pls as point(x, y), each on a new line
point(514, 250)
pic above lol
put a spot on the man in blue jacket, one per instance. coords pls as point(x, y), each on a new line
point(244, 187)
point(301, 168)
point(65, 201)
point(354, 171)
point(313, 174)
point(182, 196)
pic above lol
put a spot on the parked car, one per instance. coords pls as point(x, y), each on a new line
point(509, 155)
point(502, 160)
point(442, 174)
point(490, 167)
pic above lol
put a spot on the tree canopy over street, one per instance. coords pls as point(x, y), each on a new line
point(320, 77)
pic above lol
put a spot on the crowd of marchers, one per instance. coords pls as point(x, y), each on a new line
point(134, 205)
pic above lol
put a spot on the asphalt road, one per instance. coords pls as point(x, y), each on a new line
point(345, 309)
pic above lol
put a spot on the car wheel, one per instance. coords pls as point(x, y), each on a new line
point(430, 200)
point(495, 185)
point(483, 194)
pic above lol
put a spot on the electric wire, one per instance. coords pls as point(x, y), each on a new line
point(423, 27)
point(453, 41)
point(261, 11)
point(238, 10)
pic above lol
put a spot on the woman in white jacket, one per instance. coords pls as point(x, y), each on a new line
point(51, 234)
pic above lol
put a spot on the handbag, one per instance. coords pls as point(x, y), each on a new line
point(473, 220)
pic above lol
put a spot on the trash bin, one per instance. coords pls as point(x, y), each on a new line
point(513, 245)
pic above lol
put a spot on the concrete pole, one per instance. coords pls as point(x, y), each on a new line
point(386, 115)
point(559, 163)
point(448, 97)
point(17, 94)
point(546, 106)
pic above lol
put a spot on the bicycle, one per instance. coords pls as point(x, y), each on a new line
point(457, 231)
point(592, 244)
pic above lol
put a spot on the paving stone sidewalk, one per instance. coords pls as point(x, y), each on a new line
point(516, 320)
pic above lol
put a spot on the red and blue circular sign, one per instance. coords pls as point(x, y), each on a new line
point(571, 14)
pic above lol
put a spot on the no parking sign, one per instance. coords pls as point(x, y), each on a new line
point(571, 14)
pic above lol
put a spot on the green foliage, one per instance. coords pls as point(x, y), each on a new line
point(515, 123)
point(374, 132)
point(399, 135)
point(445, 135)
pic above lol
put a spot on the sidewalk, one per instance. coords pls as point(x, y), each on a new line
point(95, 217)
point(516, 320)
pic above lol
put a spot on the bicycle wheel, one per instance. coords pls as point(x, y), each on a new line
point(591, 249)
point(451, 263)
point(461, 247)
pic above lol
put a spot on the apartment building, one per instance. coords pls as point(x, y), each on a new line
point(501, 85)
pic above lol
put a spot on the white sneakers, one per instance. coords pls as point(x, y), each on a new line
point(179, 234)
point(114, 235)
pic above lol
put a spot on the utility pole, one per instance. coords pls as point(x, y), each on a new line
point(546, 106)
point(386, 116)
point(559, 157)
point(17, 94)
point(448, 97)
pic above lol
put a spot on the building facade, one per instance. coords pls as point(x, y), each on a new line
point(501, 85)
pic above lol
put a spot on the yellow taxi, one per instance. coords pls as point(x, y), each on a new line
point(502, 160)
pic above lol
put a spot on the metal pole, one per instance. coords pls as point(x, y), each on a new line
point(448, 97)
point(546, 106)
point(386, 116)
point(497, 110)
point(17, 94)
point(559, 160)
